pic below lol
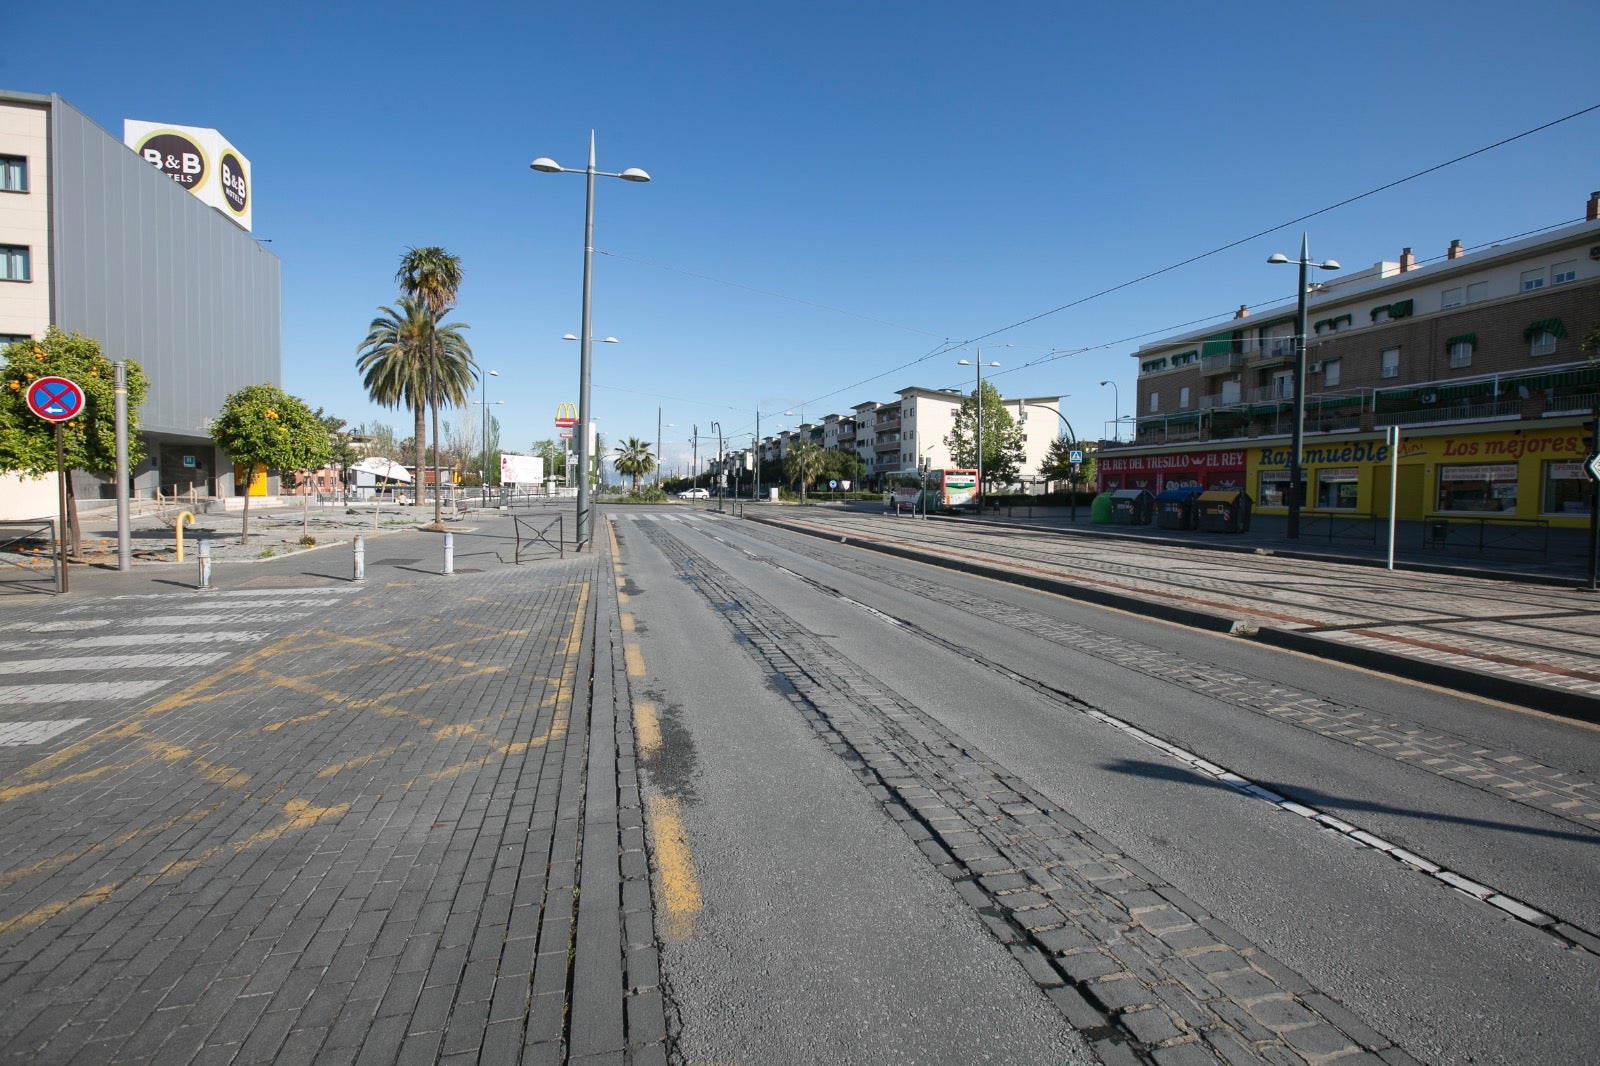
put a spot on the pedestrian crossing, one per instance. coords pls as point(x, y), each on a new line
point(83, 664)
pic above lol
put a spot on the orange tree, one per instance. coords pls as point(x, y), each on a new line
point(28, 442)
point(263, 426)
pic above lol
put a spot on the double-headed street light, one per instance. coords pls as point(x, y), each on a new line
point(1296, 473)
point(979, 364)
point(550, 166)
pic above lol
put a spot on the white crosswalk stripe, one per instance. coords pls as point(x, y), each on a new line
point(72, 691)
point(126, 648)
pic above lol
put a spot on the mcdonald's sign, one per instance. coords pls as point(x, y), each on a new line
point(566, 416)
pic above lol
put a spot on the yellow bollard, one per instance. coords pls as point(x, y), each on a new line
point(183, 516)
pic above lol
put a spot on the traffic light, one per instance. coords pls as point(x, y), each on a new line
point(1591, 437)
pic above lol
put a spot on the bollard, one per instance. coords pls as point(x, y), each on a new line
point(184, 517)
point(360, 553)
point(205, 565)
point(449, 553)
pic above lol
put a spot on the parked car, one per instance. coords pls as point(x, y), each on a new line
point(695, 494)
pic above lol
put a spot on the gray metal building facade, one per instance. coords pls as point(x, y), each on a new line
point(157, 276)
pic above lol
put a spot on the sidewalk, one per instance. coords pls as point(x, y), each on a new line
point(295, 818)
point(327, 534)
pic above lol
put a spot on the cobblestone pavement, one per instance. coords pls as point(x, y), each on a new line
point(1532, 643)
point(301, 819)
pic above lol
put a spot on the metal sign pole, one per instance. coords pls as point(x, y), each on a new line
point(1394, 485)
point(61, 528)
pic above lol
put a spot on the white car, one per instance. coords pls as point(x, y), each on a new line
point(695, 494)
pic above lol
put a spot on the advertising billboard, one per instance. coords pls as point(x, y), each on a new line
point(200, 160)
point(521, 469)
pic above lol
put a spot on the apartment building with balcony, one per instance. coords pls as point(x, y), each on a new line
point(893, 437)
point(1474, 356)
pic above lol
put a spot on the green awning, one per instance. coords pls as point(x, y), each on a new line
point(1220, 344)
point(1551, 326)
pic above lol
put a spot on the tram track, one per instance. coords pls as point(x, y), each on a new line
point(1560, 792)
point(1131, 962)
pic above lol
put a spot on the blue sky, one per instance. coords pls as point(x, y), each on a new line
point(842, 191)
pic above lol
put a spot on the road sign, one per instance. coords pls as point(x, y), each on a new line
point(1592, 465)
point(1075, 456)
point(55, 399)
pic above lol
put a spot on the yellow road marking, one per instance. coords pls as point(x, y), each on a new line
point(646, 729)
point(297, 814)
point(634, 658)
point(56, 862)
point(680, 891)
point(627, 622)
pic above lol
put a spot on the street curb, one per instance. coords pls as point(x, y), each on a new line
point(1508, 690)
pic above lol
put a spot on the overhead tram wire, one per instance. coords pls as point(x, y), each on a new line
point(949, 346)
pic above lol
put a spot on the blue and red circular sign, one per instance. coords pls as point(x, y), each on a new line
point(55, 399)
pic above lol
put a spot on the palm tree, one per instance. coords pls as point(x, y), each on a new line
point(432, 277)
point(634, 459)
point(396, 356)
point(803, 463)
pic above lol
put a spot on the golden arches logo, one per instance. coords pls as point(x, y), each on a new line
point(566, 415)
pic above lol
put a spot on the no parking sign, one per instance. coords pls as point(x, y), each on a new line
point(55, 399)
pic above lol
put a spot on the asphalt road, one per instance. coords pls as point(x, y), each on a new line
point(930, 817)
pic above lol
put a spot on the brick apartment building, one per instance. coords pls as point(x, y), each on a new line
point(1474, 356)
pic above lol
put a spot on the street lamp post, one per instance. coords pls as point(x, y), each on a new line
point(483, 402)
point(1072, 437)
point(1116, 409)
point(979, 364)
point(1296, 471)
point(722, 475)
point(550, 166)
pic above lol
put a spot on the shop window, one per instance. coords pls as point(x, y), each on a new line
point(1274, 489)
point(1564, 488)
point(1478, 487)
point(1336, 489)
point(1331, 373)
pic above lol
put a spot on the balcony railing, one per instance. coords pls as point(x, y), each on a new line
point(1452, 412)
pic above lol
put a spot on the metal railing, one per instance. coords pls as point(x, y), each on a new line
point(1464, 412)
point(1492, 534)
point(12, 535)
point(539, 535)
point(1341, 525)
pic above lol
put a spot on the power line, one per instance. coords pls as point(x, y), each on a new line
point(949, 346)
